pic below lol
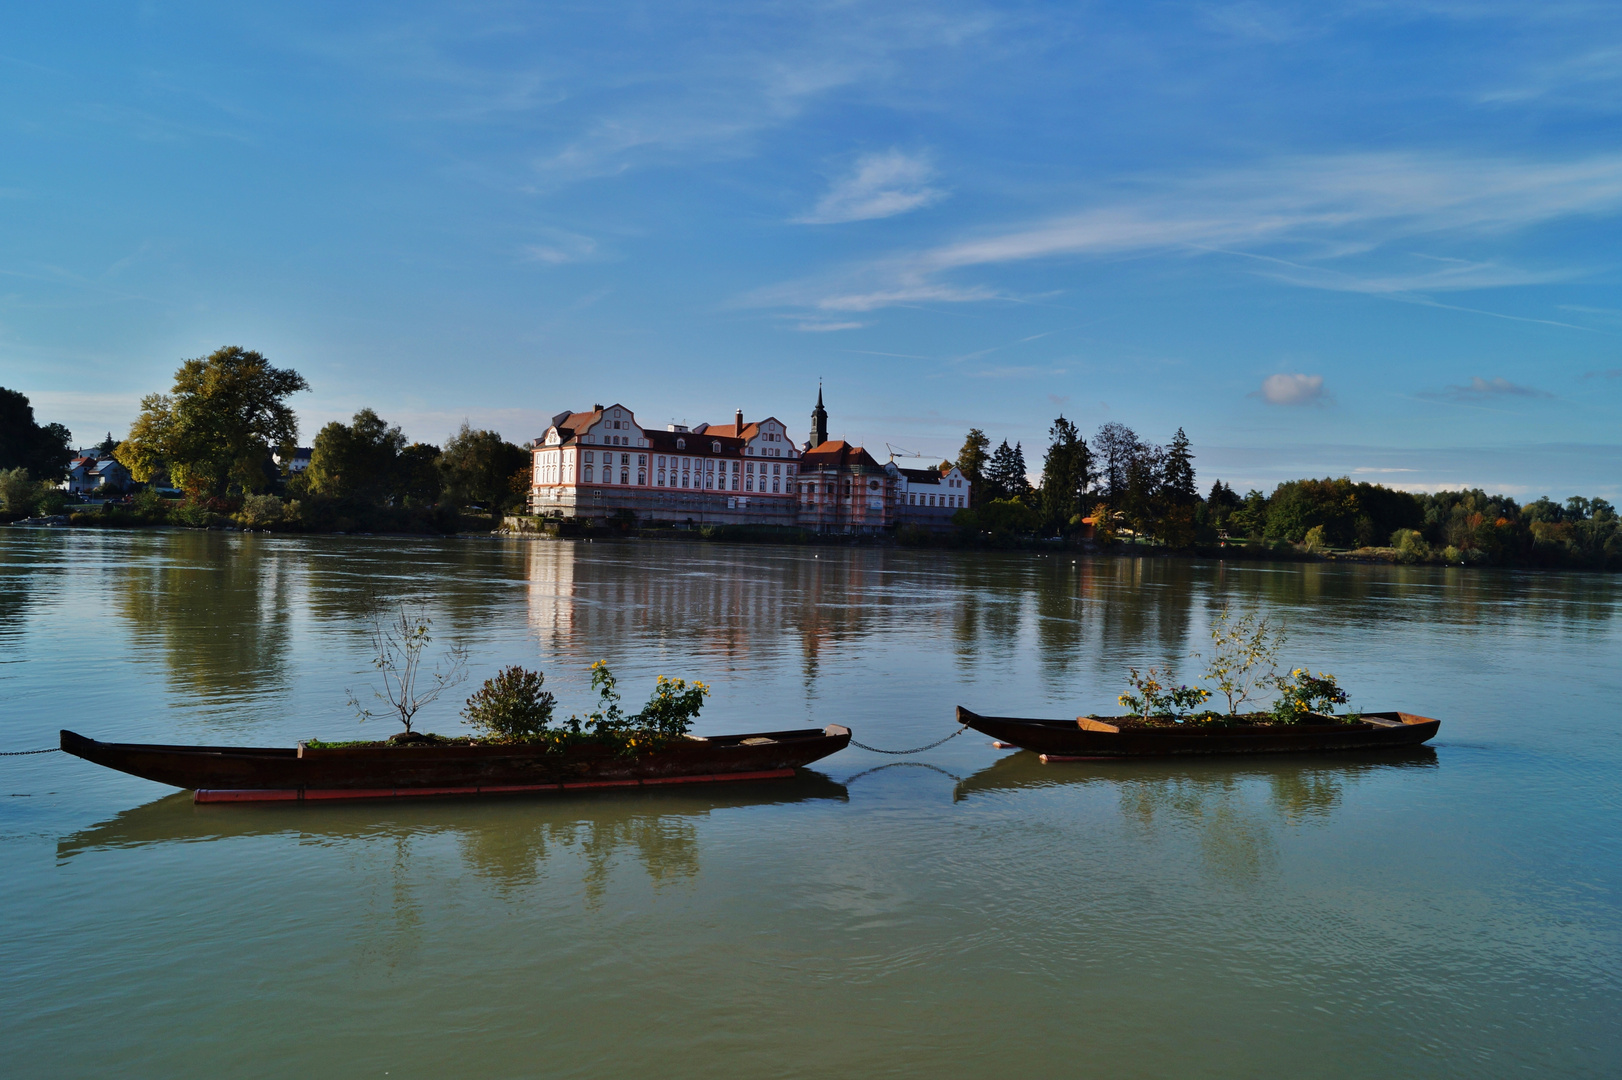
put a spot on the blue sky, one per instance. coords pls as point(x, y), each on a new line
point(1374, 239)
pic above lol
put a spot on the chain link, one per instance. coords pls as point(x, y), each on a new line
point(914, 750)
point(25, 753)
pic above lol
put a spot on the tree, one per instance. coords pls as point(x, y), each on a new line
point(1177, 474)
point(477, 466)
point(1066, 474)
point(356, 460)
point(43, 451)
point(1115, 446)
point(18, 490)
point(418, 475)
point(1005, 475)
point(107, 445)
point(398, 642)
point(215, 430)
point(971, 462)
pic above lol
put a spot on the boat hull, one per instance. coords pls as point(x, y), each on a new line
point(1061, 739)
point(243, 774)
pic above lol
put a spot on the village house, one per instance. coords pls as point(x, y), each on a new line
point(95, 473)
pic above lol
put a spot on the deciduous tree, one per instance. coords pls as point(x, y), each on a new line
point(24, 444)
point(216, 428)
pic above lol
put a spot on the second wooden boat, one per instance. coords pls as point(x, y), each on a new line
point(264, 774)
point(1059, 740)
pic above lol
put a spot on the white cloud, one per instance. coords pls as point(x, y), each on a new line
point(1318, 222)
point(880, 186)
point(1291, 389)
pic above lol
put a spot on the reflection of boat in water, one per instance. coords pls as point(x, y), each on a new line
point(174, 819)
point(1025, 770)
point(1089, 738)
point(277, 774)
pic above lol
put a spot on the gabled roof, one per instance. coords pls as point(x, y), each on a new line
point(839, 454)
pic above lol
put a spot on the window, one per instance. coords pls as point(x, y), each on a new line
point(681, 444)
point(625, 476)
point(715, 446)
point(661, 478)
point(661, 461)
point(912, 499)
point(588, 474)
point(749, 482)
point(642, 461)
point(588, 457)
point(778, 469)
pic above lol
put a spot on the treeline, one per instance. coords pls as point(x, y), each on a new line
point(34, 458)
point(219, 433)
point(1121, 488)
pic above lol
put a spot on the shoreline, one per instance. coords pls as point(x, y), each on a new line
point(1261, 551)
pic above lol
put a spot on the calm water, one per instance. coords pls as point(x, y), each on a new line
point(1448, 912)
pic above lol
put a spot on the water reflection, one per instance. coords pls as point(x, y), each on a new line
point(220, 618)
point(506, 841)
point(1234, 809)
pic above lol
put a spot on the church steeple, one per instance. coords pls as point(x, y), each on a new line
point(819, 422)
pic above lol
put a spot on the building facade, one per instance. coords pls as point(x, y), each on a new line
point(604, 464)
point(928, 498)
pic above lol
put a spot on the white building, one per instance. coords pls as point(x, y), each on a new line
point(927, 495)
point(603, 462)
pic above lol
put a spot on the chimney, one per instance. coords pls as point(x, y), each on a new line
point(739, 430)
point(596, 408)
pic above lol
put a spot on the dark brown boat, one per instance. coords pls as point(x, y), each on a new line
point(265, 774)
point(1085, 738)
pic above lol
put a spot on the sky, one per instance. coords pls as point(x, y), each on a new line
point(1369, 239)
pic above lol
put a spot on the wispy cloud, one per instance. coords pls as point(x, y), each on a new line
point(1480, 389)
point(1323, 222)
point(1291, 389)
point(561, 247)
point(1609, 373)
point(810, 327)
point(880, 186)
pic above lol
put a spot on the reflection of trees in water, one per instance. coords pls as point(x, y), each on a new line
point(20, 562)
point(1235, 838)
point(217, 606)
point(512, 854)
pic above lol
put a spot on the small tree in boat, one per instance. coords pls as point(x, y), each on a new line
point(511, 706)
point(1244, 656)
point(398, 643)
point(1302, 694)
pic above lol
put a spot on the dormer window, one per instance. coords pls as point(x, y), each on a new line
point(681, 444)
point(716, 447)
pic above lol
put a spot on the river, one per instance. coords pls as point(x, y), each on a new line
point(968, 912)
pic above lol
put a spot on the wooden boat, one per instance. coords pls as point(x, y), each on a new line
point(274, 774)
point(1085, 738)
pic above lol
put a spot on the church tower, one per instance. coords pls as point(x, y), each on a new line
point(819, 422)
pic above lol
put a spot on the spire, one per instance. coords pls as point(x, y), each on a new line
point(819, 421)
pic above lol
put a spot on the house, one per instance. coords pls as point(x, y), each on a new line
point(95, 473)
point(928, 496)
point(296, 462)
point(845, 490)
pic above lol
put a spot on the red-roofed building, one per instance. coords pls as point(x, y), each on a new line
point(845, 490)
point(600, 463)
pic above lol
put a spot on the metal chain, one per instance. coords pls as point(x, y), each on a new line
point(25, 753)
point(914, 750)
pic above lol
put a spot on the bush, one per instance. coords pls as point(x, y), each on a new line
point(1410, 545)
point(1314, 540)
point(17, 490)
point(51, 500)
point(261, 511)
point(149, 504)
point(192, 514)
point(1301, 692)
point(511, 706)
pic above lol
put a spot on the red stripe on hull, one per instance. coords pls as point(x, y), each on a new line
point(217, 795)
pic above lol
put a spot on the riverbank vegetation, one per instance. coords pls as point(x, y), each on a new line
point(1121, 492)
